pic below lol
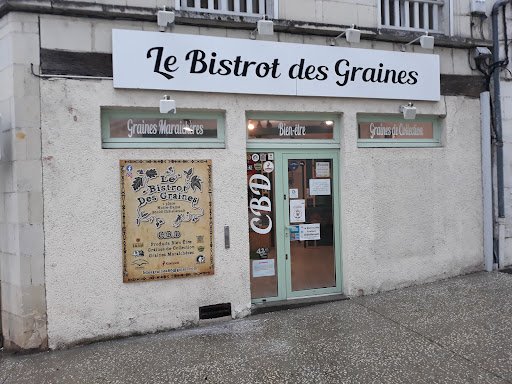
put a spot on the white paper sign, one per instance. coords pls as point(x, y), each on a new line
point(297, 211)
point(261, 268)
point(319, 187)
point(179, 62)
point(323, 169)
point(309, 232)
point(294, 193)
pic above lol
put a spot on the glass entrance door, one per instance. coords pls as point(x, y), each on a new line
point(310, 226)
point(293, 224)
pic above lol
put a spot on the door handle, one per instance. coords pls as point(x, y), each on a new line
point(287, 230)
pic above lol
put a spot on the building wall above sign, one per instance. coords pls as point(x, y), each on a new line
point(151, 60)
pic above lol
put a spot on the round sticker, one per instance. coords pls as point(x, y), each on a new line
point(293, 166)
point(255, 157)
point(268, 166)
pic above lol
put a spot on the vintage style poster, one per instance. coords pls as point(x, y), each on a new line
point(167, 219)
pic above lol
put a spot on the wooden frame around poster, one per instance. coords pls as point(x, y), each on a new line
point(167, 219)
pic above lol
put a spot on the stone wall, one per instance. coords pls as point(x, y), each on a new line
point(447, 217)
point(23, 304)
point(363, 13)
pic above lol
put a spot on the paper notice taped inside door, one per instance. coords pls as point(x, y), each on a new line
point(309, 232)
point(297, 211)
point(323, 169)
point(319, 187)
point(262, 268)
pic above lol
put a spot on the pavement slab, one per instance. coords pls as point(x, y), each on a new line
point(470, 315)
point(450, 331)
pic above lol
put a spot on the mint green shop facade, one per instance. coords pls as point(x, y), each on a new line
point(353, 210)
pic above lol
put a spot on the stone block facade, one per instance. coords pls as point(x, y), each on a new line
point(23, 303)
point(85, 27)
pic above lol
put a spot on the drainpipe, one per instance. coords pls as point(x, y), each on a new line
point(451, 26)
point(485, 122)
point(498, 125)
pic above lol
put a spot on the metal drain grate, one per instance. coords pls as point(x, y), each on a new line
point(214, 311)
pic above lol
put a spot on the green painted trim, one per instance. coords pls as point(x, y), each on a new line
point(266, 300)
point(400, 143)
point(195, 145)
point(124, 113)
point(262, 115)
point(280, 225)
point(394, 144)
point(364, 118)
point(294, 143)
point(315, 292)
point(257, 145)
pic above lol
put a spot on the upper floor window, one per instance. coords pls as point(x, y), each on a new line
point(415, 15)
point(254, 8)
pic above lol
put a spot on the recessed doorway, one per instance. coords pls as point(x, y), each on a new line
point(293, 223)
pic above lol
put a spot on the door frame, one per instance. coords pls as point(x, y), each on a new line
point(281, 157)
point(335, 190)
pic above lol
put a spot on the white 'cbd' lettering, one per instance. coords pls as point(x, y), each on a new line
point(255, 186)
point(257, 182)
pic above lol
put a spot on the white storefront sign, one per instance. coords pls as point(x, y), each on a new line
point(153, 60)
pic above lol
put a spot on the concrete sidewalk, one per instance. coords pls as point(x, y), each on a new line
point(453, 331)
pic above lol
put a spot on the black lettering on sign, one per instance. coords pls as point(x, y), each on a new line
point(348, 73)
point(301, 71)
point(168, 63)
point(199, 63)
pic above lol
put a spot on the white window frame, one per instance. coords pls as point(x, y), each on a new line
point(271, 8)
point(443, 23)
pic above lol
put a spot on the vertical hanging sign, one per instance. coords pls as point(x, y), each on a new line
point(167, 219)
